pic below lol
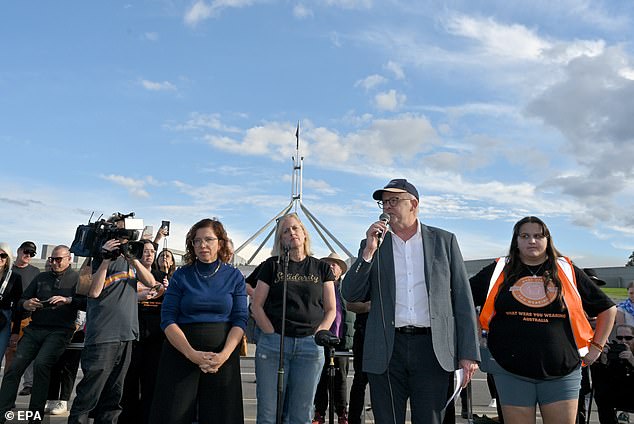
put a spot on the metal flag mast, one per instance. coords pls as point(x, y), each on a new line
point(296, 201)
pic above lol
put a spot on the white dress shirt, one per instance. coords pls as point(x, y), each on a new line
point(412, 300)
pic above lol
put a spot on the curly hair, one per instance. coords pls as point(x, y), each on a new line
point(224, 253)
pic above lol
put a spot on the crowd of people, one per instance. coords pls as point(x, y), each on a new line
point(160, 344)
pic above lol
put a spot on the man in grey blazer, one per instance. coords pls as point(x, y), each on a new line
point(422, 324)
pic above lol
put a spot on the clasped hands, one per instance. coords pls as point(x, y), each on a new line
point(209, 362)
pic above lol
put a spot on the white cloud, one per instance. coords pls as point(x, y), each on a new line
point(396, 69)
point(201, 121)
point(301, 11)
point(151, 36)
point(158, 86)
point(509, 41)
point(371, 81)
point(335, 39)
point(389, 100)
point(319, 186)
point(627, 73)
point(350, 4)
point(380, 141)
point(201, 11)
point(136, 187)
point(271, 139)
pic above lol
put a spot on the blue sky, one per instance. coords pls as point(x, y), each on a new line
point(183, 110)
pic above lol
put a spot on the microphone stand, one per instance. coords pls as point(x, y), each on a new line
point(280, 370)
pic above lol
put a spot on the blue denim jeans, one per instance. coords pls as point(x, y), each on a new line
point(303, 361)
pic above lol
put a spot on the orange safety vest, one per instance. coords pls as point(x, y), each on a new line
point(581, 329)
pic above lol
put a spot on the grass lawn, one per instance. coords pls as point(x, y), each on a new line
point(616, 294)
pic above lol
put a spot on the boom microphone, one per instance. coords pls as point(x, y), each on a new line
point(384, 217)
point(326, 338)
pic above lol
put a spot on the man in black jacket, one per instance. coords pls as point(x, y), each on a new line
point(51, 299)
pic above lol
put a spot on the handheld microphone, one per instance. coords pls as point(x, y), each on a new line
point(326, 338)
point(383, 218)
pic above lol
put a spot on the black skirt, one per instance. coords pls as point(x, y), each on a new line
point(183, 392)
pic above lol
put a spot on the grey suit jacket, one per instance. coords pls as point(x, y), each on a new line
point(453, 318)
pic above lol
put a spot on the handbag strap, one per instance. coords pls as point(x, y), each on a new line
point(5, 282)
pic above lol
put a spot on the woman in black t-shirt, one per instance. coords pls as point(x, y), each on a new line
point(310, 307)
point(533, 315)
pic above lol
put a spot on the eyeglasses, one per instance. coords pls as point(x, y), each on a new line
point(526, 236)
point(147, 251)
point(207, 240)
point(628, 338)
point(31, 253)
point(3, 255)
point(57, 259)
point(392, 202)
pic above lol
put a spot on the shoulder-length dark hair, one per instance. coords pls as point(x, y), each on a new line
point(224, 253)
point(157, 266)
point(514, 266)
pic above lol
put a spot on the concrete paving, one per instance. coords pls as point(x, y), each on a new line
point(481, 397)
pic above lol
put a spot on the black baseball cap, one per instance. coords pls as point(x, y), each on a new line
point(28, 245)
point(398, 185)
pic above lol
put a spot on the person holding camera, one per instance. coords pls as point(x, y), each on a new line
point(111, 327)
point(52, 301)
point(164, 266)
point(310, 308)
point(204, 315)
point(141, 376)
point(613, 376)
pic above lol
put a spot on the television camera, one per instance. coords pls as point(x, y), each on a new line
point(90, 238)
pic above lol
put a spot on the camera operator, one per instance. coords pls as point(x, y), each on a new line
point(111, 327)
point(614, 376)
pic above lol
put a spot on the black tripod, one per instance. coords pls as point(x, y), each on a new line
point(329, 341)
point(331, 385)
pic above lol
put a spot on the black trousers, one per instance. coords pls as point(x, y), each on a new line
point(613, 389)
point(64, 372)
point(360, 380)
point(42, 346)
point(340, 385)
point(415, 374)
point(140, 381)
point(99, 391)
point(182, 388)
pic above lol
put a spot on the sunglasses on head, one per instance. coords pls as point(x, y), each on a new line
point(628, 338)
point(31, 253)
point(3, 255)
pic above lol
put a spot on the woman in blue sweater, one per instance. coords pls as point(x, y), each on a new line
point(204, 315)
